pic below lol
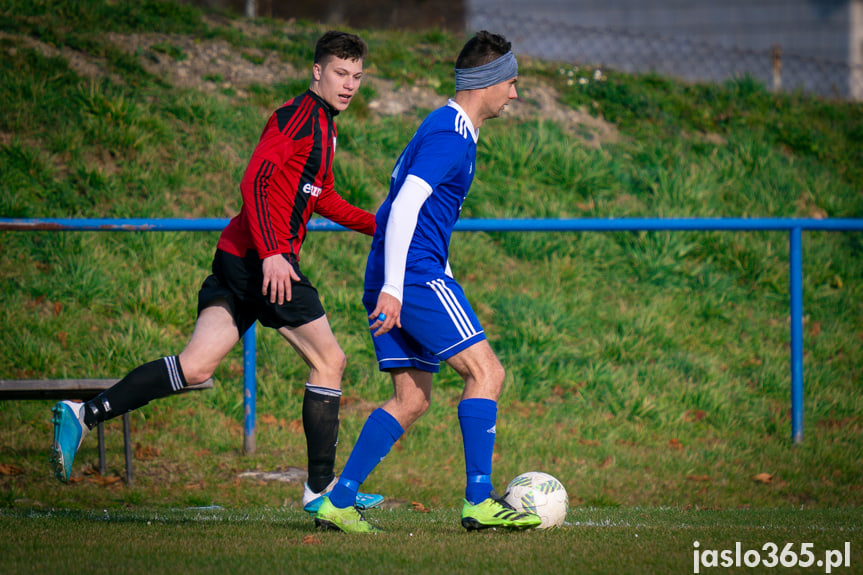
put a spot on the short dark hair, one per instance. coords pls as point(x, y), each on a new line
point(483, 48)
point(341, 45)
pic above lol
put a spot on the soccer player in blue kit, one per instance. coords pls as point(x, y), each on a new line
point(418, 313)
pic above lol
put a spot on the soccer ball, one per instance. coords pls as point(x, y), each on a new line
point(539, 493)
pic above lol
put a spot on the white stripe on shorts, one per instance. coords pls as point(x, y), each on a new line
point(453, 308)
point(173, 373)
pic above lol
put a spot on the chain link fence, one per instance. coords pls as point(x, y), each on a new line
point(675, 56)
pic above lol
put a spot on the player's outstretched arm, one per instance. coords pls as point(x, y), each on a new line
point(334, 207)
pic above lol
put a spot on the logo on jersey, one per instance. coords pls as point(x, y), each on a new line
point(311, 190)
point(461, 125)
point(395, 174)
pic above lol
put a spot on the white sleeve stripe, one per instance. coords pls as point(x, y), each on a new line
point(401, 224)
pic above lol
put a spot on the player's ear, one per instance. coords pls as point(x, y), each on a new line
point(317, 71)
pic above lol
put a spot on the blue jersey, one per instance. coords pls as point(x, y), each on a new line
point(442, 153)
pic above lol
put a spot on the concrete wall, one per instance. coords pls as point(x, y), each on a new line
point(855, 50)
point(692, 39)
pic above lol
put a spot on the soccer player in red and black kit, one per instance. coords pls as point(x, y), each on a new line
point(256, 274)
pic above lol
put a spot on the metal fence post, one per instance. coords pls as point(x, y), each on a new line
point(776, 58)
point(249, 391)
point(794, 225)
point(795, 253)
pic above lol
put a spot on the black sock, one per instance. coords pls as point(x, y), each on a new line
point(143, 384)
point(321, 424)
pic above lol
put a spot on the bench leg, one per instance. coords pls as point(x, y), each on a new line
point(100, 432)
point(127, 443)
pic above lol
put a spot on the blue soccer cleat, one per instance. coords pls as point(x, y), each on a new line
point(312, 501)
point(69, 432)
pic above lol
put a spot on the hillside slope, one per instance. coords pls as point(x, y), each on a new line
point(646, 368)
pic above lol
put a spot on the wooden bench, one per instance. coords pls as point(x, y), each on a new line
point(78, 389)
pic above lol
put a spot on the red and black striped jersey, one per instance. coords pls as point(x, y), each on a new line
point(290, 177)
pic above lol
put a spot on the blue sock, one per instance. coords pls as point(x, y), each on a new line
point(477, 418)
point(379, 434)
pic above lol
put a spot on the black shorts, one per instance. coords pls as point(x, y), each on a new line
point(239, 281)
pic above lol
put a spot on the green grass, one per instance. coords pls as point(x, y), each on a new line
point(266, 540)
point(649, 372)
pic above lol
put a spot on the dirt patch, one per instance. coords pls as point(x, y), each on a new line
point(206, 65)
point(215, 65)
point(83, 65)
point(539, 100)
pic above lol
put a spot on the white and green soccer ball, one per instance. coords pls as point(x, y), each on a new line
point(539, 493)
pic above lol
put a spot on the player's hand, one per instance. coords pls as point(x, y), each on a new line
point(278, 273)
point(388, 307)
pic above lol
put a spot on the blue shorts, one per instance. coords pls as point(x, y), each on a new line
point(437, 323)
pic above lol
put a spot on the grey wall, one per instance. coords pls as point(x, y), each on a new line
point(693, 39)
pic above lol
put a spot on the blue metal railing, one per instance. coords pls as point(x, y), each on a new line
point(795, 227)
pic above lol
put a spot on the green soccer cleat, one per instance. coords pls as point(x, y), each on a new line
point(495, 512)
point(349, 519)
point(69, 432)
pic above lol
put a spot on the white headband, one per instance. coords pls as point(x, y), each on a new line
point(494, 72)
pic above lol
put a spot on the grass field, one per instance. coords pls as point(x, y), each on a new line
point(649, 372)
point(634, 540)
